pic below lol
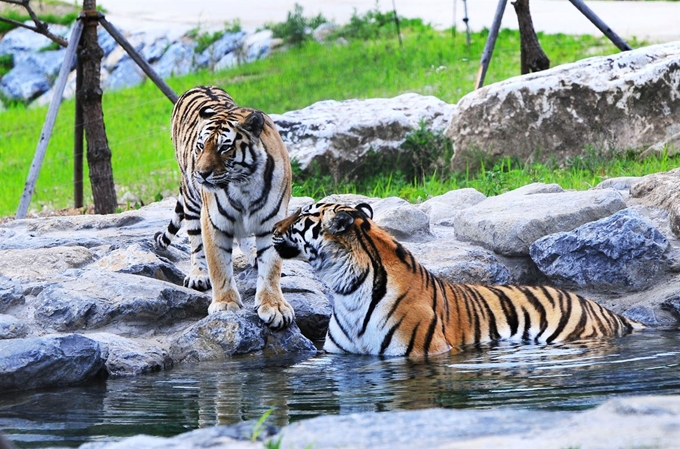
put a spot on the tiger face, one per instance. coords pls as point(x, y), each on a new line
point(318, 230)
point(223, 152)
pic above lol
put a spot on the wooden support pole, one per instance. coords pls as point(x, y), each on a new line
point(48, 126)
point(490, 43)
point(615, 38)
point(396, 21)
point(78, 141)
point(141, 62)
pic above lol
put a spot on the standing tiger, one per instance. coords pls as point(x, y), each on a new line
point(236, 183)
point(386, 303)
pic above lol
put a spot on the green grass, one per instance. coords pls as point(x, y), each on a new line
point(430, 62)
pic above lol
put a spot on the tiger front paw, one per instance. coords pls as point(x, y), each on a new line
point(229, 301)
point(275, 313)
point(198, 281)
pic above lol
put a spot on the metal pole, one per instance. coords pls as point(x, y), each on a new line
point(78, 140)
point(48, 126)
point(490, 43)
point(620, 43)
point(141, 62)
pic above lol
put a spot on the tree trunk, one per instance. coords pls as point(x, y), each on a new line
point(90, 96)
point(533, 58)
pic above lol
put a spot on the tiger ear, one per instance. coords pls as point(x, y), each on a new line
point(206, 112)
point(254, 123)
point(340, 223)
point(365, 209)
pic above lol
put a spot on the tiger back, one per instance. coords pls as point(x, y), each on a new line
point(386, 303)
point(236, 183)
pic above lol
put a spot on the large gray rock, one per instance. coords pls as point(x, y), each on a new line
point(224, 334)
point(128, 357)
point(126, 74)
point(43, 264)
point(403, 220)
point(443, 208)
point(24, 82)
point(509, 223)
point(660, 190)
point(48, 361)
point(623, 251)
point(345, 137)
point(626, 101)
point(93, 298)
point(11, 327)
point(229, 43)
point(21, 40)
point(177, 60)
point(618, 423)
point(11, 293)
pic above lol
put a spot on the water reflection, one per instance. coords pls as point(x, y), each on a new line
point(557, 377)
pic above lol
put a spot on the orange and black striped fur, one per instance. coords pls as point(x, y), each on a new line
point(236, 183)
point(386, 303)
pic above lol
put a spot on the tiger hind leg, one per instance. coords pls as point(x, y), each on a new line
point(198, 278)
point(271, 306)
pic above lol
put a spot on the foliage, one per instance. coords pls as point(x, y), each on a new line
point(426, 152)
point(257, 428)
point(297, 28)
point(17, 16)
point(6, 64)
point(430, 62)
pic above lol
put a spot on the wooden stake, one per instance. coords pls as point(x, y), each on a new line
point(490, 43)
point(620, 43)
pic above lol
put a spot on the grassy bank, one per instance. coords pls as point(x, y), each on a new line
point(430, 62)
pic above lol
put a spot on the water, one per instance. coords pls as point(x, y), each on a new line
point(572, 376)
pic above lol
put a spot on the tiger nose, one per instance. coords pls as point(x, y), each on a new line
point(203, 175)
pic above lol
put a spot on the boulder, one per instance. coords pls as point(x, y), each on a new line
point(443, 208)
point(660, 190)
point(509, 223)
point(228, 44)
point(24, 82)
point(621, 252)
point(177, 60)
point(42, 264)
point(626, 101)
point(348, 138)
point(91, 299)
point(27, 363)
point(128, 357)
point(224, 334)
point(12, 327)
point(126, 74)
point(21, 40)
point(11, 292)
point(403, 220)
point(257, 45)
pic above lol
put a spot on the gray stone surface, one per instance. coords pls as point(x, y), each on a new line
point(443, 208)
point(177, 60)
point(403, 220)
point(625, 101)
point(24, 82)
point(128, 357)
point(224, 334)
point(509, 223)
point(11, 293)
point(660, 190)
point(48, 361)
point(621, 252)
point(11, 327)
point(343, 138)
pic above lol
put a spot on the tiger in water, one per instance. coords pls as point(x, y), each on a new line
point(386, 303)
point(236, 183)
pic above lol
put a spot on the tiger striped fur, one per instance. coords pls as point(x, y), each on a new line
point(236, 183)
point(386, 303)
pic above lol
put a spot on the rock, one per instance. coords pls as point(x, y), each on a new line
point(228, 44)
point(126, 74)
point(670, 146)
point(620, 183)
point(27, 363)
point(509, 223)
point(324, 31)
point(11, 293)
point(257, 45)
point(177, 60)
point(21, 40)
point(238, 436)
point(11, 327)
point(155, 50)
point(349, 137)
point(24, 83)
point(403, 220)
point(93, 298)
point(127, 357)
point(42, 264)
point(626, 101)
point(224, 334)
point(622, 252)
point(443, 208)
point(672, 305)
point(660, 190)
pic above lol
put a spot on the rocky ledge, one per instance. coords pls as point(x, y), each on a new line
point(646, 421)
point(85, 296)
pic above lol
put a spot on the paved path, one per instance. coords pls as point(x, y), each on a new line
point(654, 21)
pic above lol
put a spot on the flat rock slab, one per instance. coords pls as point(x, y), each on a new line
point(509, 223)
point(27, 363)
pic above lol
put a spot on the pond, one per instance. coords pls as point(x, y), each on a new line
point(571, 376)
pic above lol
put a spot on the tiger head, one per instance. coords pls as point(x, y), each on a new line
point(321, 233)
point(228, 148)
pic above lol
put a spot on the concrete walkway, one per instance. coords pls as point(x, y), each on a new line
point(653, 21)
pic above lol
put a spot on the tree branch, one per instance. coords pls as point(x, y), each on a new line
point(40, 26)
